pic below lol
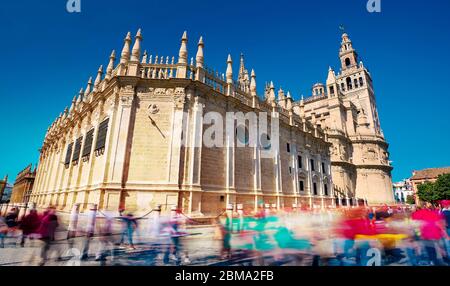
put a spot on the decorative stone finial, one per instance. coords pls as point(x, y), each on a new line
point(271, 98)
point(110, 66)
point(289, 101)
point(331, 76)
point(199, 59)
point(253, 83)
point(144, 57)
point(229, 72)
point(136, 51)
point(281, 94)
point(98, 79)
point(125, 55)
point(182, 55)
point(80, 96)
point(88, 87)
point(241, 66)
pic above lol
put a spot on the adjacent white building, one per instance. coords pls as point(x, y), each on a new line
point(402, 190)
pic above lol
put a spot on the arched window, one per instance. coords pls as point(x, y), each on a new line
point(347, 62)
point(343, 86)
point(356, 83)
point(361, 81)
point(331, 90)
point(349, 83)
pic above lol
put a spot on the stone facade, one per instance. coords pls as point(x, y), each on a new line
point(134, 139)
point(23, 185)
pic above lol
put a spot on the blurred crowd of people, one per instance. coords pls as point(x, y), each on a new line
point(112, 231)
point(362, 236)
point(33, 226)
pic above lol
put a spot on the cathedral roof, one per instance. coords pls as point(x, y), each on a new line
point(430, 173)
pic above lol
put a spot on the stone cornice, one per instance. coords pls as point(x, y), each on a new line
point(343, 164)
point(369, 139)
point(375, 167)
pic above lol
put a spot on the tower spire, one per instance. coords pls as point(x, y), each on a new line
point(80, 96)
point(290, 108)
point(332, 87)
point(125, 55)
point(241, 66)
point(136, 52)
point(289, 101)
point(253, 84)
point(229, 72)
point(74, 101)
point(281, 98)
point(229, 75)
point(347, 54)
point(271, 97)
point(199, 59)
point(243, 78)
point(281, 95)
point(110, 66)
point(88, 88)
point(98, 79)
point(182, 55)
point(253, 89)
point(144, 57)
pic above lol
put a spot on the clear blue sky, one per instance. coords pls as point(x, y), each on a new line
point(47, 55)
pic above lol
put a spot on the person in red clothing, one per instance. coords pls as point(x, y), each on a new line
point(29, 225)
point(431, 231)
point(355, 222)
point(46, 231)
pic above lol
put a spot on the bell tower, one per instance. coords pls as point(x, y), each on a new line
point(370, 153)
point(354, 82)
point(348, 55)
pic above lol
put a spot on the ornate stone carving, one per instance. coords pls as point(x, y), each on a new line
point(370, 154)
point(179, 97)
point(153, 109)
point(144, 90)
point(160, 91)
point(127, 89)
point(170, 91)
point(126, 100)
point(343, 153)
point(385, 158)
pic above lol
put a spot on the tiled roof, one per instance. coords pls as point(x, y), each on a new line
point(430, 173)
